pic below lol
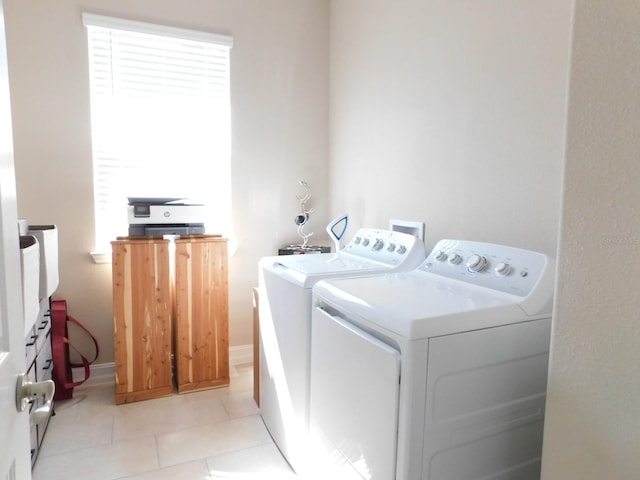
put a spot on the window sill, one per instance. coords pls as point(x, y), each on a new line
point(101, 257)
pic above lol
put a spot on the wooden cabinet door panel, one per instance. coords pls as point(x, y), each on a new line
point(142, 319)
point(202, 313)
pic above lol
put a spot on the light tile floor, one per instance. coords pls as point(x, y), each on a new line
point(213, 434)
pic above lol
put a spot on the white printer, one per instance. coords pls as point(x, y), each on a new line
point(164, 216)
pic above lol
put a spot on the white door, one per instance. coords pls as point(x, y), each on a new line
point(14, 427)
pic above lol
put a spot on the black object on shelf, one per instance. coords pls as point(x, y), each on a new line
point(303, 249)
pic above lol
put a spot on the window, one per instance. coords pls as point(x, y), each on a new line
point(160, 120)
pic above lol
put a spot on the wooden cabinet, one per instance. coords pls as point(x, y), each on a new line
point(171, 315)
point(256, 346)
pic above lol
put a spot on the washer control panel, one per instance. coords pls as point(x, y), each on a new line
point(508, 269)
point(385, 246)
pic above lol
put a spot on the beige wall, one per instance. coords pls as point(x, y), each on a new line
point(452, 113)
point(279, 117)
point(592, 429)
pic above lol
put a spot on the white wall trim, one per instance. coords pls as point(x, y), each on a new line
point(240, 354)
point(104, 373)
point(101, 374)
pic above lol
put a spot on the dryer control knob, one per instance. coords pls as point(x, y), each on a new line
point(455, 259)
point(502, 269)
point(377, 245)
point(402, 249)
point(441, 256)
point(391, 248)
point(477, 263)
point(365, 242)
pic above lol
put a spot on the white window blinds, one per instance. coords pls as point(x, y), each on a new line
point(160, 119)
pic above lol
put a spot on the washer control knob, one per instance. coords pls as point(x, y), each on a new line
point(402, 249)
point(476, 263)
point(365, 242)
point(455, 259)
point(377, 245)
point(391, 248)
point(441, 256)
point(357, 240)
point(502, 269)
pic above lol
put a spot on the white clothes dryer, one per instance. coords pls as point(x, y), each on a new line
point(285, 284)
point(435, 374)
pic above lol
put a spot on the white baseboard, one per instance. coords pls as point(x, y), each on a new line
point(101, 374)
point(240, 355)
point(104, 373)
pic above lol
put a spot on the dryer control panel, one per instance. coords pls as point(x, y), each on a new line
point(507, 269)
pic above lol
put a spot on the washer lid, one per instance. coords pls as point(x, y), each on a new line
point(306, 270)
point(418, 304)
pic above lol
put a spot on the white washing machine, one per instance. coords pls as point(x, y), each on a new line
point(285, 285)
point(435, 374)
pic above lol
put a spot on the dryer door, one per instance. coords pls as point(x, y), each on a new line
point(355, 385)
